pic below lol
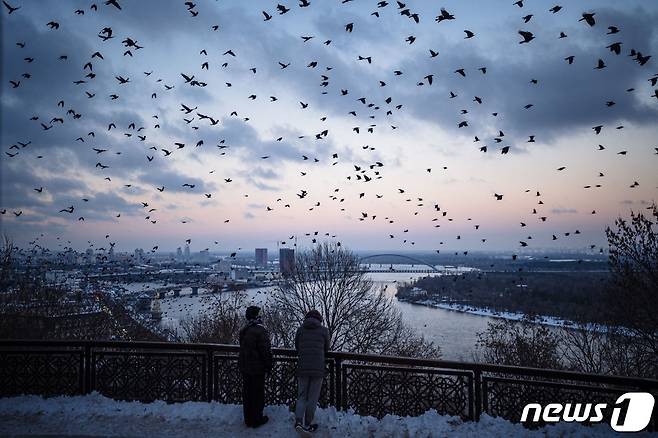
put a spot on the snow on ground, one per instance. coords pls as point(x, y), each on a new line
point(95, 415)
point(512, 316)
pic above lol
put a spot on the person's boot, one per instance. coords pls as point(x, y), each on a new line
point(302, 430)
point(264, 419)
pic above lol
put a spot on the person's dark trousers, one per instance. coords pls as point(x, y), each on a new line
point(253, 398)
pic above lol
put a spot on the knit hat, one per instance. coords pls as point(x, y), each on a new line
point(314, 314)
point(252, 312)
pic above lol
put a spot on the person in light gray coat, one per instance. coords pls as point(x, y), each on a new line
point(311, 343)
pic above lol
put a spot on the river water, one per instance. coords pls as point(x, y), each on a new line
point(455, 332)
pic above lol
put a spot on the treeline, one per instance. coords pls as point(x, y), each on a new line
point(567, 295)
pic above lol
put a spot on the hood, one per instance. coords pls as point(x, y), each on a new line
point(311, 323)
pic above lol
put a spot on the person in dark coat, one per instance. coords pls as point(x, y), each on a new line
point(311, 343)
point(254, 361)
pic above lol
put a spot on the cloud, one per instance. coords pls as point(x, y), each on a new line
point(173, 180)
point(261, 185)
point(567, 99)
point(564, 211)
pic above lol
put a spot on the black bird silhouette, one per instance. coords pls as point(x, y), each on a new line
point(615, 48)
point(588, 18)
point(114, 3)
point(9, 7)
point(527, 36)
point(444, 15)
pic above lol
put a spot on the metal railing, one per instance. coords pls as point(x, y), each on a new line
point(369, 384)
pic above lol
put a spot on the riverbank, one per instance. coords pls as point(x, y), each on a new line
point(479, 311)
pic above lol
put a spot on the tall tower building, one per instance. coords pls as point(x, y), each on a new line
point(89, 256)
point(261, 257)
point(179, 253)
point(139, 256)
point(187, 252)
point(286, 261)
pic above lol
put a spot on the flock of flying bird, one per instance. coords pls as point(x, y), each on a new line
point(192, 116)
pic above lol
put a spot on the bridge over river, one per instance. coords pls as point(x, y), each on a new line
point(412, 265)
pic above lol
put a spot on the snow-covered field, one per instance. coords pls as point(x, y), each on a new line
point(95, 415)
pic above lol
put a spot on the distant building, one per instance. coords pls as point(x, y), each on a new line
point(71, 257)
point(417, 292)
point(223, 267)
point(139, 256)
point(204, 256)
point(179, 253)
point(57, 276)
point(156, 312)
point(241, 273)
point(89, 256)
point(110, 255)
point(286, 261)
point(261, 257)
point(187, 252)
point(143, 303)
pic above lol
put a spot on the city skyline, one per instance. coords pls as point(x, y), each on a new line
point(251, 175)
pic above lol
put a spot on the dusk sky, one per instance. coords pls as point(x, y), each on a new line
point(272, 173)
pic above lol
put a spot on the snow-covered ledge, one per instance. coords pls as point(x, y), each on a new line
point(95, 415)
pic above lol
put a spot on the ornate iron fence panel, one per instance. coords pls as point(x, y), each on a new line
point(227, 387)
point(280, 384)
point(147, 376)
point(41, 372)
point(505, 397)
point(381, 390)
point(372, 385)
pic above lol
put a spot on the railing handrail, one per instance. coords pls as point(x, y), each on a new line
point(346, 356)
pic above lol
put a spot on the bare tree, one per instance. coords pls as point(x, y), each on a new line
point(605, 349)
point(633, 298)
point(219, 324)
point(359, 316)
point(584, 347)
point(282, 326)
point(523, 343)
point(6, 261)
